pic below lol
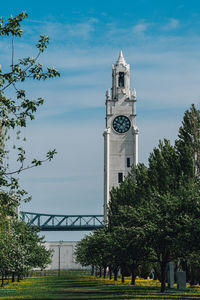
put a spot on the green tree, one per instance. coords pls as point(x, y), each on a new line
point(6, 247)
point(33, 253)
point(83, 252)
point(94, 250)
point(191, 265)
point(159, 205)
point(127, 221)
point(15, 112)
point(21, 249)
point(188, 142)
point(20, 246)
point(133, 191)
point(172, 208)
point(171, 222)
point(132, 245)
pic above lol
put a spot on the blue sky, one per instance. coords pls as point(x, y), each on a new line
point(160, 40)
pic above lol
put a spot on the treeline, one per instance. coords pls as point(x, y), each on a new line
point(154, 215)
point(21, 249)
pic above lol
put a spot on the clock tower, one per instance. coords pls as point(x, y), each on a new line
point(121, 133)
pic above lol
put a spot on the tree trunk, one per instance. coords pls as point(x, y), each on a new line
point(100, 271)
point(2, 279)
point(18, 278)
point(92, 271)
point(133, 274)
point(104, 272)
point(13, 277)
point(163, 276)
point(115, 274)
point(122, 273)
point(96, 271)
point(110, 272)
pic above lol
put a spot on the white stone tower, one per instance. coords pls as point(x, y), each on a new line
point(121, 133)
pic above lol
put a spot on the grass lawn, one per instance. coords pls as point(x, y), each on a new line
point(76, 285)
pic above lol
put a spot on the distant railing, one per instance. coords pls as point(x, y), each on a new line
point(46, 222)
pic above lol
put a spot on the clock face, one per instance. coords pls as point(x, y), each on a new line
point(121, 124)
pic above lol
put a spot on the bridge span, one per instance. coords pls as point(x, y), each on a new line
point(50, 222)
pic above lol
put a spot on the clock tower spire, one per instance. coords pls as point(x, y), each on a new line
point(120, 77)
point(121, 133)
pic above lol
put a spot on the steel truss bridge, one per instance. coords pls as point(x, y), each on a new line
point(46, 222)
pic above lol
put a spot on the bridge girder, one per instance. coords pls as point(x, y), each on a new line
point(50, 222)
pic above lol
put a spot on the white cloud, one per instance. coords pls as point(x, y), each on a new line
point(165, 73)
point(140, 28)
point(171, 25)
point(81, 30)
point(61, 31)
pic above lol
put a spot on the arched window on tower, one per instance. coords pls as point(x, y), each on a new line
point(121, 79)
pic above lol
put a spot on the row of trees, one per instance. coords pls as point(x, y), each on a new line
point(21, 249)
point(154, 215)
point(20, 246)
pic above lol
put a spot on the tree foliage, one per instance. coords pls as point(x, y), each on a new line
point(154, 215)
point(21, 249)
point(15, 112)
point(20, 246)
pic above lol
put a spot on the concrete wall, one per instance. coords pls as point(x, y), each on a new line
point(66, 252)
